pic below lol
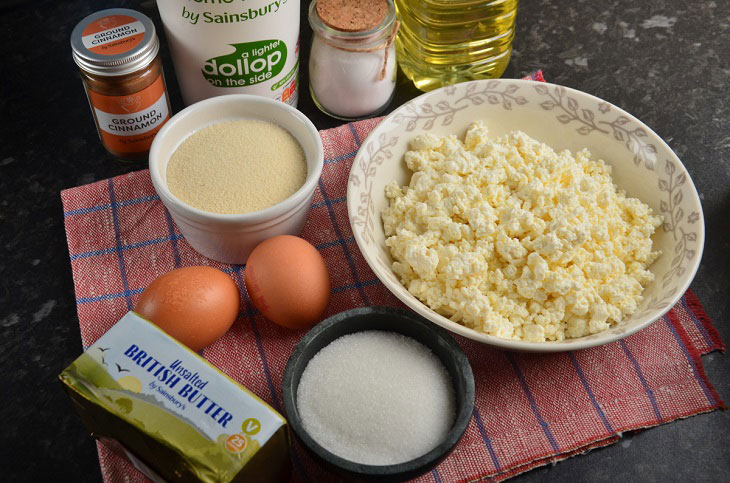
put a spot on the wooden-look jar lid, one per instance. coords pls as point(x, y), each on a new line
point(352, 15)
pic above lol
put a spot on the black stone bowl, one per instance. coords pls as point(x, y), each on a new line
point(385, 319)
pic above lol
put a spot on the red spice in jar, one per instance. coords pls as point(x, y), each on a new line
point(117, 51)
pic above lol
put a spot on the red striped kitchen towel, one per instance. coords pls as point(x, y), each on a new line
point(530, 409)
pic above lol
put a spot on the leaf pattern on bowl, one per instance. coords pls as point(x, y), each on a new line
point(657, 303)
point(558, 99)
point(635, 141)
point(671, 208)
point(413, 111)
point(367, 166)
point(621, 128)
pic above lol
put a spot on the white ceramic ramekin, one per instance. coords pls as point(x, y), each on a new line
point(230, 238)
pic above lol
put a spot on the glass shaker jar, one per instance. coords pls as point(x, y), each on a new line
point(117, 51)
point(352, 64)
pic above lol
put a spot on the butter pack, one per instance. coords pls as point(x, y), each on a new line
point(176, 416)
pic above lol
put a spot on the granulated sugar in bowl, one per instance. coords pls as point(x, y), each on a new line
point(378, 392)
point(376, 398)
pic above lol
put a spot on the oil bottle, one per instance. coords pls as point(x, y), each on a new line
point(442, 42)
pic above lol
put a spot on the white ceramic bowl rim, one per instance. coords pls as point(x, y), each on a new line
point(409, 109)
point(280, 209)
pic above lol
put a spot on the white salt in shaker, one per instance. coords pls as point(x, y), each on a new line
point(352, 65)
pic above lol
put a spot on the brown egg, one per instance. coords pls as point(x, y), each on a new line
point(287, 280)
point(195, 305)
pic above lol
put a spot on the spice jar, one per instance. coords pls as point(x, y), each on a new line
point(117, 51)
point(352, 65)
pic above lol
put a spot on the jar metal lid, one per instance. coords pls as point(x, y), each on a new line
point(114, 42)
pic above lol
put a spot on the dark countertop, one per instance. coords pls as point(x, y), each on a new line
point(665, 61)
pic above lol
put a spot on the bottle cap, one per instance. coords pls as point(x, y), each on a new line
point(114, 42)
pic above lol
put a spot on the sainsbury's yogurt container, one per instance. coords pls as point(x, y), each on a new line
point(234, 47)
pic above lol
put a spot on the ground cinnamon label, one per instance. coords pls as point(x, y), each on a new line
point(113, 34)
point(129, 123)
point(118, 53)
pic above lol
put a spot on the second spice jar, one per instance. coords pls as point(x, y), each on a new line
point(352, 65)
point(117, 51)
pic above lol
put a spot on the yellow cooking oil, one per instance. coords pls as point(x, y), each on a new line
point(442, 42)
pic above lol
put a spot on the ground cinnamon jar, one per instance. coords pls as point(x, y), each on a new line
point(117, 51)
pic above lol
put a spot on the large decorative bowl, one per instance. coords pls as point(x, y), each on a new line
point(643, 165)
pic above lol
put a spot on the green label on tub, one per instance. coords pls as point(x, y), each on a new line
point(250, 63)
point(287, 77)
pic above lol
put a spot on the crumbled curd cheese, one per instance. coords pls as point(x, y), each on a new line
point(510, 238)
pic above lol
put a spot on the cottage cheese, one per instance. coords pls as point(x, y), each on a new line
point(510, 238)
